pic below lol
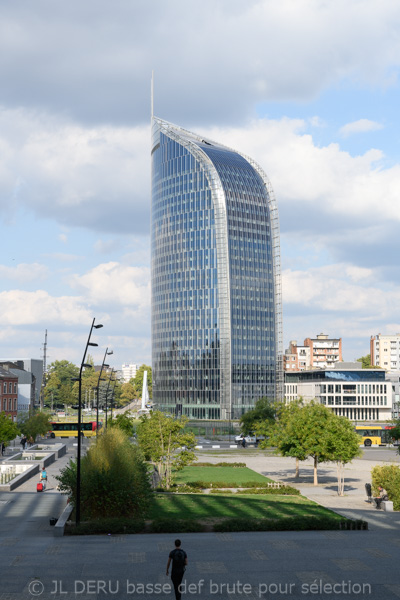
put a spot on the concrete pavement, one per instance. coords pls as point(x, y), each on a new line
point(331, 564)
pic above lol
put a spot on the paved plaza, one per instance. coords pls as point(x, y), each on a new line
point(331, 564)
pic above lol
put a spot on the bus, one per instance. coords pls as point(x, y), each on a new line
point(374, 435)
point(70, 429)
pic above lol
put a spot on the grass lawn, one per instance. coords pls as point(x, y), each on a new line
point(237, 475)
point(188, 506)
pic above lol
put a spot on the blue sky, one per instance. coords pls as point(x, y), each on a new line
point(308, 89)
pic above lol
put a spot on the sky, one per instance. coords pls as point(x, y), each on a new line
point(308, 88)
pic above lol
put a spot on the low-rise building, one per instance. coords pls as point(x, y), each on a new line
point(352, 392)
point(297, 358)
point(8, 393)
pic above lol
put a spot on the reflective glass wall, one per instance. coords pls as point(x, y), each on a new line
point(213, 321)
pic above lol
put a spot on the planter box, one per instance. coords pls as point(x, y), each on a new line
point(23, 473)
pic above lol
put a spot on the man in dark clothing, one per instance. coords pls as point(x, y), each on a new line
point(179, 562)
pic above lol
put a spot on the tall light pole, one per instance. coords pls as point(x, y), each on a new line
point(112, 397)
point(78, 458)
point(108, 387)
point(98, 387)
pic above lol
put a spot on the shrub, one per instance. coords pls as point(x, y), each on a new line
point(220, 464)
point(114, 526)
point(221, 492)
point(388, 476)
point(114, 479)
point(286, 490)
point(288, 524)
point(170, 525)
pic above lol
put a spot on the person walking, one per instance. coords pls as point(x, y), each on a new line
point(43, 478)
point(179, 562)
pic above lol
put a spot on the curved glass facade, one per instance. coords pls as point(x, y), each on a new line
point(214, 332)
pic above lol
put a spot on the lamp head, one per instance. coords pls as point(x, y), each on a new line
point(99, 326)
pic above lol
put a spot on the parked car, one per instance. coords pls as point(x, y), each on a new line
point(249, 439)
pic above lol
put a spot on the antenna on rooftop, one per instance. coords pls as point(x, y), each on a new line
point(152, 95)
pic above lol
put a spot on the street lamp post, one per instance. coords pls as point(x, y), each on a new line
point(98, 387)
point(112, 398)
point(78, 457)
point(108, 387)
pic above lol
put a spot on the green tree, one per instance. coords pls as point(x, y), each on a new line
point(8, 428)
point(394, 432)
point(343, 445)
point(138, 381)
point(284, 433)
point(366, 362)
point(125, 421)
point(263, 411)
point(34, 425)
point(128, 393)
point(165, 443)
point(59, 383)
point(114, 476)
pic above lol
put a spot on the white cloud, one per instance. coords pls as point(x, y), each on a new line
point(18, 307)
point(116, 284)
point(265, 50)
point(339, 289)
point(63, 238)
point(360, 126)
point(24, 272)
point(90, 179)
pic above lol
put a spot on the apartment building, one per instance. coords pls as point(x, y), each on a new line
point(324, 351)
point(320, 352)
point(352, 392)
point(385, 351)
point(297, 358)
point(129, 371)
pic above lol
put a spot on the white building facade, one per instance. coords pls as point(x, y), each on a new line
point(385, 351)
point(129, 372)
point(359, 394)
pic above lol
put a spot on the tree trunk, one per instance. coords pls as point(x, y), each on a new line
point(340, 478)
point(297, 475)
point(315, 470)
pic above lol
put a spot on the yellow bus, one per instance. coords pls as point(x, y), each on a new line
point(70, 429)
point(374, 435)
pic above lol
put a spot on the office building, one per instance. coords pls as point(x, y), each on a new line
point(216, 297)
point(358, 394)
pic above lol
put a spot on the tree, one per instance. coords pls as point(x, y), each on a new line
point(34, 425)
point(59, 382)
point(284, 433)
point(115, 478)
point(8, 428)
point(343, 446)
point(263, 411)
point(128, 393)
point(394, 432)
point(165, 443)
point(366, 362)
point(126, 422)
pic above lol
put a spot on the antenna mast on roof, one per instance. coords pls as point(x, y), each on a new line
point(152, 95)
point(44, 370)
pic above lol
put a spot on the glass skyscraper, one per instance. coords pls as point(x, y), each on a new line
point(216, 296)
